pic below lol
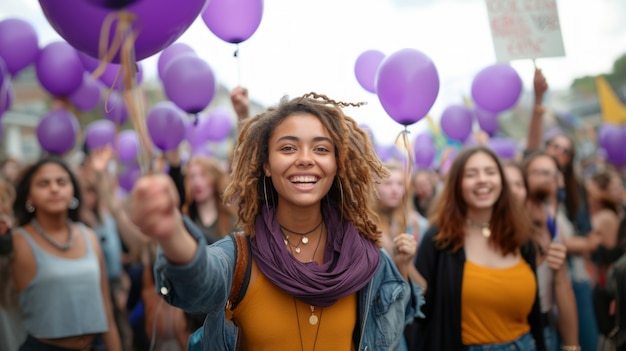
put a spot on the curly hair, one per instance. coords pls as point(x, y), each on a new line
point(219, 179)
point(357, 163)
point(509, 223)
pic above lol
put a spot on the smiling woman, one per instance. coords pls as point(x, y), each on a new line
point(302, 179)
point(478, 245)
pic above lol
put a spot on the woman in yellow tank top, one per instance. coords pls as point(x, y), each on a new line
point(481, 285)
point(302, 177)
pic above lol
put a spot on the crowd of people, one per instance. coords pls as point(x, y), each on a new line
point(326, 246)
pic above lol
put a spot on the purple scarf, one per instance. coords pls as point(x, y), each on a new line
point(350, 260)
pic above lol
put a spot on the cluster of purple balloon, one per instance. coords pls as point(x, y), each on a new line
point(495, 89)
point(612, 139)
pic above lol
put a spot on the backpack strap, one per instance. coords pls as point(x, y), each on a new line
point(243, 267)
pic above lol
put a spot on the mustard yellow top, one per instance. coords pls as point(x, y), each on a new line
point(269, 318)
point(496, 302)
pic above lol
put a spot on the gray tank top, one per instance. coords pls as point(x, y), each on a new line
point(65, 297)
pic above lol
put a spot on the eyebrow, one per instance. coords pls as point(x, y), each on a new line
point(294, 138)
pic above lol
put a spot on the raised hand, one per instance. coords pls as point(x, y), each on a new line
point(405, 248)
point(241, 102)
point(99, 158)
point(556, 255)
point(540, 86)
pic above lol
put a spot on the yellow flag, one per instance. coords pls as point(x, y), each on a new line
point(613, 110)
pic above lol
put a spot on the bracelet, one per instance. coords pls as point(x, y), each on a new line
point(571, 348)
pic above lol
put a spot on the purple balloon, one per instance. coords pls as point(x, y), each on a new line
point(503, 147)
point(365, 69)
point(115, 108)
point(127, 146)
point(190, 83)
point(496, 88)
point(160, 23)
point(614, 143)
point(59, 69)
point(18, 44)
point(219, 124)
point(488, 121)
point(233, 21)
point(129, 175)
point(57, 131)
point(111, 79)
point(456, 122)
point(407, 85)
point(604, 130)
point(166, 125)
point(87, 96)
point(170, 53)
point(100, 133)
point(424, 138)
point(424, 154)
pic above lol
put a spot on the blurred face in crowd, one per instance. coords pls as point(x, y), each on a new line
point(482, 182)
point(201, 183)
point(561, 148)
point(423, 186)
point(10, 170)
point(51, 189)
point(515, 179)
point(391, 190)
point(543, 176)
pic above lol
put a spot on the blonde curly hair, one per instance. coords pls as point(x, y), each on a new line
point(357, 163)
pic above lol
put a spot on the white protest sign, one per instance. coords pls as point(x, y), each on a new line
point(525, 29)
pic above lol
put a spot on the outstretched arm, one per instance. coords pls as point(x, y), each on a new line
point(535, 129)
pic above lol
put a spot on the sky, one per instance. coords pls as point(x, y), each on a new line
point(303, 46)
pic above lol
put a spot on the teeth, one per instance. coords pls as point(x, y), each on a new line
point(482, 191)
point(303, 179)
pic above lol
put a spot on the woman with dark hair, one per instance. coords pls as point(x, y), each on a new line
point(479, 264)
point(58, 268)
point(302, 180)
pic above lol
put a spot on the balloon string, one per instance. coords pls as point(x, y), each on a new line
point(134, 101)
point(238, 63)
point(403, 136)
point(106, 53)
point(124, 42)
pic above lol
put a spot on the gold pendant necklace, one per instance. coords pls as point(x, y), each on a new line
point(484, 227)
point(313, 318)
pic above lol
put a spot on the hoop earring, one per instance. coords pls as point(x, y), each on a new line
point(265, 192)
point(29, 206)
point(74, 204)
point(340, 193)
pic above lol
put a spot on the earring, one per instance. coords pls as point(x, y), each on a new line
point(29, 206)
point(265, 192)
point(340, 192)
point(74, 204)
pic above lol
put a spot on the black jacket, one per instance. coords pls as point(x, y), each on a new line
point(443, 270)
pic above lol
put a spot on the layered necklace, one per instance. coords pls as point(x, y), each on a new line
point(313, 320)
point(304, 239)
point(484, 227)
point(63, 247)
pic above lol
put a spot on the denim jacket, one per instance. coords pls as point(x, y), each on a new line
point(385, 305)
